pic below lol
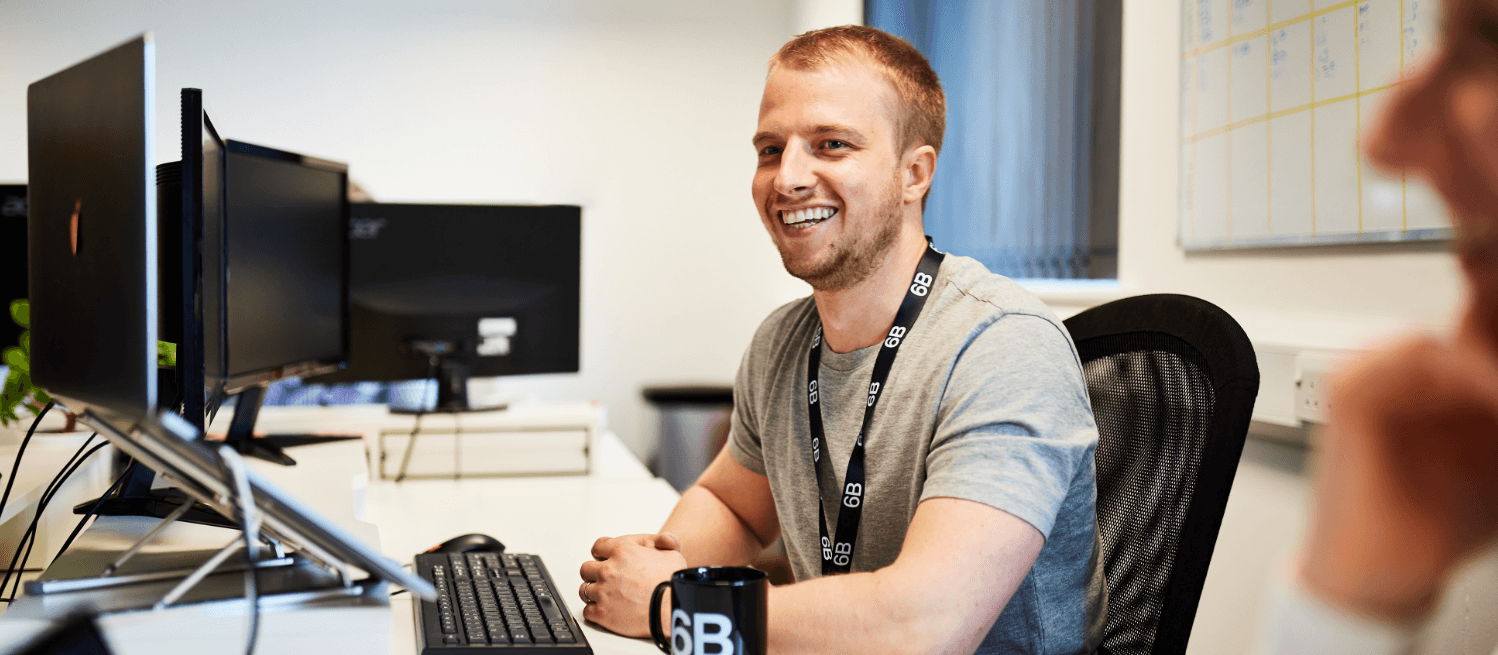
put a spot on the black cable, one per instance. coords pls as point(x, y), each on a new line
point(29, 538)
point(410, 447)
point(93, 510)
point(42, 507)
point(216, 399)
point(420, 411)
point(16, 466)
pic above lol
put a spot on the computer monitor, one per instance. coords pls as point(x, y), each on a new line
point(460, 291)
point(12, 258)
point(91, 227)
point(275, 280)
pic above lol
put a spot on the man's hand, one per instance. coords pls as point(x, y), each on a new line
point(618, 585)
point(1407, 477)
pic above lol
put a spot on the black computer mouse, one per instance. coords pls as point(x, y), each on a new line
point(469, 543)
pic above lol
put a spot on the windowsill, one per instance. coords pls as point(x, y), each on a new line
point(1075, 293)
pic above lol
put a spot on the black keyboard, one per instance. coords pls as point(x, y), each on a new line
point(501, 601)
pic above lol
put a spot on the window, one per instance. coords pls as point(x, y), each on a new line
point(1027, 180)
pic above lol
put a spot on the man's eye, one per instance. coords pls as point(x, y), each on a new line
point(834, 144)
point(769, 151)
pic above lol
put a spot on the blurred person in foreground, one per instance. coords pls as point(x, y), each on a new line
point(1407, 477)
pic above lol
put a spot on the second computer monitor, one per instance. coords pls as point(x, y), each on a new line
point(274, 269)
point(458, 291)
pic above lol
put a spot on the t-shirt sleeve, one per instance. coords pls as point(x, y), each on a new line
point(1015, 427)
point(743, 429)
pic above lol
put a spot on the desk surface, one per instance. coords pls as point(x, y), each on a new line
point(45, 456)
point(556, 517)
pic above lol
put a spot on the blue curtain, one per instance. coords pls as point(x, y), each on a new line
point(1015, 186)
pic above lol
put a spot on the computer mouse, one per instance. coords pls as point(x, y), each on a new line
point(469, 543)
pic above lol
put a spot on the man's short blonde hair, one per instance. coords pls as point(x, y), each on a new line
point(922, 116)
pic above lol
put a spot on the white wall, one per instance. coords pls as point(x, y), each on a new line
point(639, 111)
point(807, 15)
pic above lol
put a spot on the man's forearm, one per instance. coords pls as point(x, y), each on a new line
point(874, 612)
point(959, 564)
point(710, 533)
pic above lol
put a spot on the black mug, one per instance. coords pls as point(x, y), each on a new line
point(715, 610)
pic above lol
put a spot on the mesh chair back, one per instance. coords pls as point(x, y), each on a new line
point(1172, 381)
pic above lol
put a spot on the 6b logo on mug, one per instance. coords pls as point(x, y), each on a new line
point(703, 633)
point(715, 610)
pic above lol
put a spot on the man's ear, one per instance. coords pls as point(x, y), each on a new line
point(917, 167)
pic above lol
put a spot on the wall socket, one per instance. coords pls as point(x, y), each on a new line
point(1312, 373)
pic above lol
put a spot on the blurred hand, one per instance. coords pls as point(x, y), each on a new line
point(1407, 476)
point(625, 572)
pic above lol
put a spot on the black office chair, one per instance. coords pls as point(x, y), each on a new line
point(1172, 381)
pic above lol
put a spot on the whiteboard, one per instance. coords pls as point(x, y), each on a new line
point(1274, 94)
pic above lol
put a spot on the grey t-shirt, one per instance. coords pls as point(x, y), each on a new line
point(986, 402)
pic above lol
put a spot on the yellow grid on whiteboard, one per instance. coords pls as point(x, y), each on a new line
point(1200, 21)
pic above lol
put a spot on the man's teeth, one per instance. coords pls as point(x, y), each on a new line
point(805, 215)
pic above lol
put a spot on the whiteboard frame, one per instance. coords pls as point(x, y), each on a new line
point(1348, 238)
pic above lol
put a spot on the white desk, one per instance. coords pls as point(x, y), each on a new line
point(556, 517)
point(44, 458)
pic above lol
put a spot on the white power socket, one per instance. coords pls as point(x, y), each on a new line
point(1312, 374)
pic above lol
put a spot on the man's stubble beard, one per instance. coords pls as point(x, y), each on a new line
point(849, 265)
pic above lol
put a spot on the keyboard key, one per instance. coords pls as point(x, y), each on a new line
point(549, 608)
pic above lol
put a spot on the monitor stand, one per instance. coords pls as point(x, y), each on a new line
point(452, 390)
point(135, 496)
point(271, 447)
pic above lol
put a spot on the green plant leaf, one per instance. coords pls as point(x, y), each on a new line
point(166, 353)
point(41, 396)
point(26, 344)
point(16, 359)
point(11, 396)
point(20, 312)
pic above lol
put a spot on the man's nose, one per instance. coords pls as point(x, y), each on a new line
point(796, 175)
point(1407, 133)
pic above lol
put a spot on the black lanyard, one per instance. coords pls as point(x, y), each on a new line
point(838, 557)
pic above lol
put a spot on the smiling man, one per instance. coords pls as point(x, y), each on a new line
point(917, 431)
